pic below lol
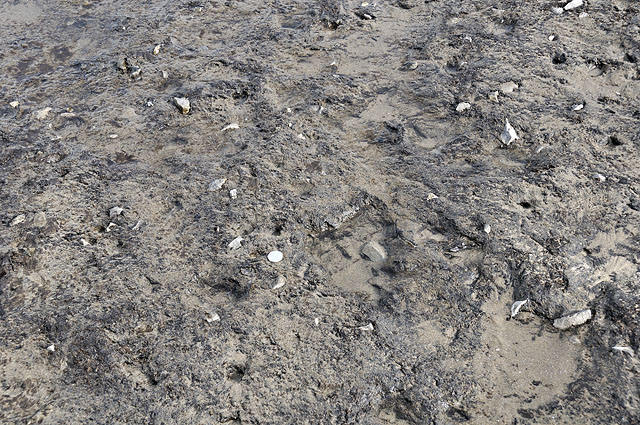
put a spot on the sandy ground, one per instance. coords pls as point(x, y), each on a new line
point(315, 128)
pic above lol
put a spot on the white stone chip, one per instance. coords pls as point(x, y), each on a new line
point(18, 219)
point(463, 106)
point(516, 306)
point(280, 282)
point(115, 211)
point(374, 252)
point(183, 104)
point(508, 87)
point(236, 243)
point(14, 104)
point(42, 113)
point(574, 4)
point(368, 327)
point(51, 348)
point(233, 193)
point(217, 184)
point(210, 318)
point(232, 126)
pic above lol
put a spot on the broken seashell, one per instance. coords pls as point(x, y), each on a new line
point(600, 177)
point(623, 349)
point(51, 348)
point(577, 107)
point(18, 219)
point(516, 306)
point(232, 126)
point(509, 134)
point(212, 318)
point(115, 211)
point(236, 243)
point(487, 228)
point(431, 196)
point(557, 10)
point(493, 96)
point(574, 4)
point(156, 49)
point(508, 87)
point(217, 184)
point(233, 193)
point(42, 113)
point(279, 282)
point(183, 104)
point(275, 256)
point(368, 327)
point(14, 104)
point(575, 319)
point(463, 106)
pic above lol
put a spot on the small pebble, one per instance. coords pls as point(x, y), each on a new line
point(557, 10)
point(18, 219)
point(233, 193)
point(165, 75)
point(210, 318)
point(508, 87)
point(275, 256)
point(552, 37)
point(577, 107)
point(487, 228)
point(113, 136)
point(583, 15)
point(51, 348)
point(316, 321)
point(183, 104)
point(84, 242)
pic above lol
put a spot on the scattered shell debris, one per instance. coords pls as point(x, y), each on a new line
point(280, 282)
point(275, 256)
point(18, 219)
point(233, 193)
point(183, 104)
point(516, 306)
point(368, 327)
point(463, 106)
point(14, 104)
point(572, 320)
point(574, 4)
point(236, 243)
point(217, 184)
point(623, 349)
point(508, 87)
point(115, 211)
point(232, 126)
point(210, 318)
point(374, 252)
point(40, 219)
point(42, 113)
point(509, 134)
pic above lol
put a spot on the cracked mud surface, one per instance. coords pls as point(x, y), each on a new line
point(347, 133)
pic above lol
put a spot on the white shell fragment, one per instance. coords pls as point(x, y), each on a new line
point(183, 104)
point(599, 177)
point(316, 321)
point(552, 37)
point(84, 242)
point(115, 211)
point(217, 184)
point(577, 107)
point(110, 226)
point(374, 252)
point(42, 113)
point(232, 126)
point(14, 104)
point(575, 319)
point(431, 196)
point(275, 256)
point(113, 136)
point(368, 327)
point(210, 318)
point(516, 306)
point(557, 10)
point(156, 49)
point(574, 4)
point(487, 228)
point(233, 193)
point(583, 15)
point(463, 106)
point(508, 87)
point(509, 134)
point(493, 96)
point(18, 219)
point(280, 282)
point(51, 348)
point(623, 349)
point(236, 243)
